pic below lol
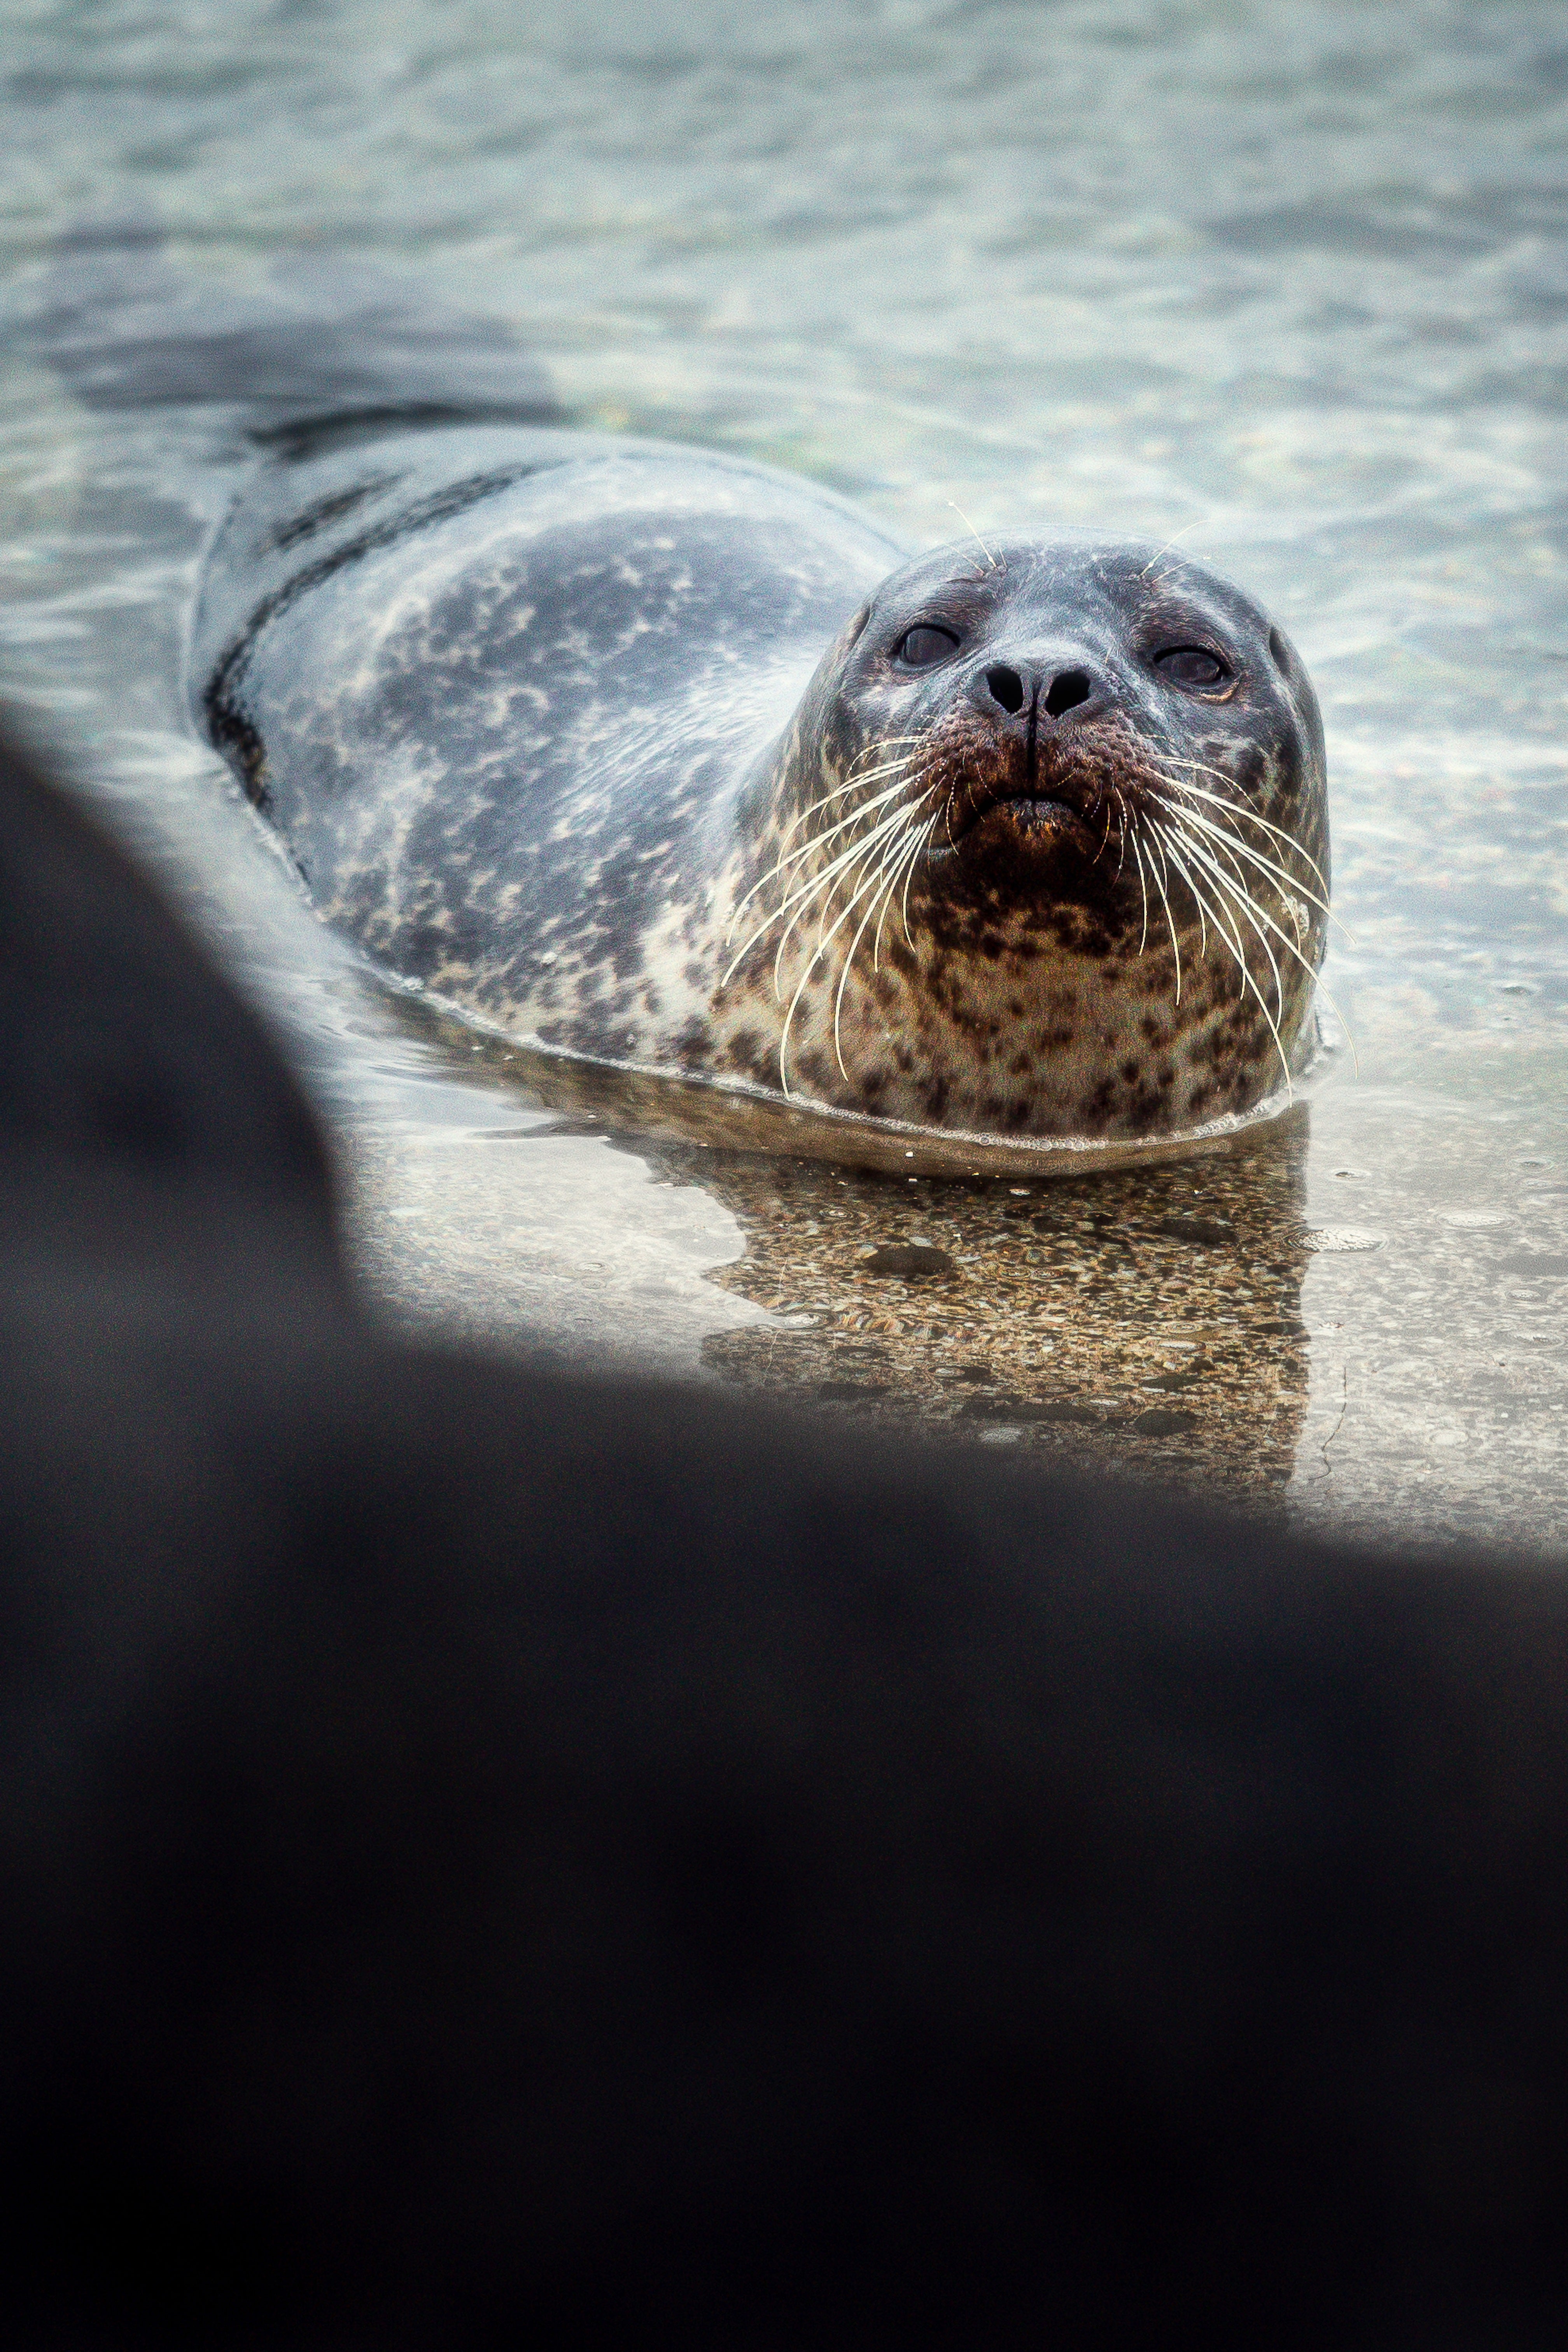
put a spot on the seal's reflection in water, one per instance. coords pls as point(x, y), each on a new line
point(1145, 1318)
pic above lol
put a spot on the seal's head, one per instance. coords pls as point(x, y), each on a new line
point(1045, 851)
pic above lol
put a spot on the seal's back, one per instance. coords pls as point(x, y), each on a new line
point(497, 687)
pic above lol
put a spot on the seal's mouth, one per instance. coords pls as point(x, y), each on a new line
point(999, 815)
point(1045, 823)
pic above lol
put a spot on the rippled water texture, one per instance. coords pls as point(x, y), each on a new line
point(1289, 282)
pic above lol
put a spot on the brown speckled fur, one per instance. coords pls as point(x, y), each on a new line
point(1034, 988)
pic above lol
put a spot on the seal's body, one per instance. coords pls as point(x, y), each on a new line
point(673, 760)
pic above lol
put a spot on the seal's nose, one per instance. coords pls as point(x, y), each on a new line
point(1068, 689)
point(1006, 687)
point(1048, 688)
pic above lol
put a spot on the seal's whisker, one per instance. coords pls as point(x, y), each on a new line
point(1204, 911)
point(877, 751)
point(1230, 937)
point(881, 743)
point(1247, 977)
point(801, 897)
point(1258, 920)
point(898, 857)
point(1120, 832)
point(1225, 837)
point(796, 857)
point(852, 782)
point(899, 887)
point(1159, 551)
point(818, 952)
point(872, 885)
point(882, 839)
point(816, 842)
point(783, 1035)
point(807, 849)
point(903, 869)
point(858, 770)
point(1143, 885)
point(892, 838)
point(920, 847)
point(1260, 923)
point(1224, 827)
point(1266, 865)
point(1291, 947)
point(1204, 768)
point(1230, 934)
point(789, 1016)
point(808, 889)
point(1235, 810)
point(885, 902)
point(1244, 970)
point(992, 562)
point(1236, 849)
point(822, 889)
point(823, 885)
point(855, 774)
point(898, 772)
point(877, 898)
point(1218, 846)
point(1159, 881)
point(1233, 848)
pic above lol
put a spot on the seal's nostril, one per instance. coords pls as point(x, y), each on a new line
point(1067, 691)
point(1006, 687)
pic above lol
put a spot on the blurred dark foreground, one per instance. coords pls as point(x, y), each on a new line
point(487, 1855)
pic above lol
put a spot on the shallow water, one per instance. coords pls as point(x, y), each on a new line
point(1289, 282)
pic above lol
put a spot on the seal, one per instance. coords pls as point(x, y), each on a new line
point(668, 759)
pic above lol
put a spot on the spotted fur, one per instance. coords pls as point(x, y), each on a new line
point(615, 742)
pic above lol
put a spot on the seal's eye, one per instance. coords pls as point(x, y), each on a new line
point(1191, 665)
point(922, 645)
